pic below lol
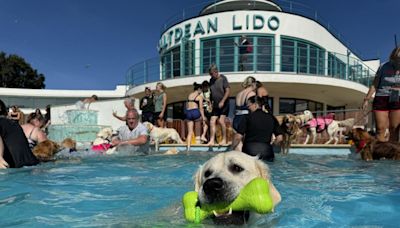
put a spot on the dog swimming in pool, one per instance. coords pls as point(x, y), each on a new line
point(221, 179)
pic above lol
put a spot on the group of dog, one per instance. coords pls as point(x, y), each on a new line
point(293, 125)
point(365, 144)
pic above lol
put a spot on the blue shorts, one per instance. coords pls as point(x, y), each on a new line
point(193, 114)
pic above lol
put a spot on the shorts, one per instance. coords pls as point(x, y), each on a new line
point(220, 111)
point(382, 104)
point(236, 121)
point(193, 114)
point(157, 114)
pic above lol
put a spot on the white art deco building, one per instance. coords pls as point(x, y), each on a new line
point(300, 60)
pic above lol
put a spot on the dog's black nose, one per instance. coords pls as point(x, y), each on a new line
point(213, 186)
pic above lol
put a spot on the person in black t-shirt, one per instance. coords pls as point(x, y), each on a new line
point(256, 131)
point(147, 106)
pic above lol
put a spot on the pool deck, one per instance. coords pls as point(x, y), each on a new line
point(308, 149)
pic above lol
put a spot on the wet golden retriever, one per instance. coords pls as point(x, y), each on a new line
point(222, 178)
point(371, 149)
point(45, 151)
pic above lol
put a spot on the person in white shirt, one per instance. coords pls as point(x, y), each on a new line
point(133, 136)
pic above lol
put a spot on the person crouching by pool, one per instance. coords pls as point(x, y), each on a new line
point(257, 129)
point(133, 136)
point(14, 148)
point(194, 110)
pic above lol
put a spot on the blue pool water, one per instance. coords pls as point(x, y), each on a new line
point(145, 191)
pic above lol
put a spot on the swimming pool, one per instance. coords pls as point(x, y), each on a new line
point(317, 191)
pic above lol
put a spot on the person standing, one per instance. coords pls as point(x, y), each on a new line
point(220, 91)
point(262, 93)
point(147, 106)
point(160, 105)
point(256, 130)
point(249, 86)
point(386, 103)
point(207, 107)
point(14, 114)
point(194, 111)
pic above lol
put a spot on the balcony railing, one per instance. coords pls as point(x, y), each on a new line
point(176, 65)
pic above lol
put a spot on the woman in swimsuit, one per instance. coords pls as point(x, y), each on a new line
point(194, 110)
point(32, 129)
point(14, 114)
point(249, 86)
point(207, 107)
point(262, 92)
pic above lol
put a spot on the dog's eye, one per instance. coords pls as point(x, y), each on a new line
point(207, 173)
point(236, 168)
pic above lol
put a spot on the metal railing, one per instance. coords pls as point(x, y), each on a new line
point(336, 66)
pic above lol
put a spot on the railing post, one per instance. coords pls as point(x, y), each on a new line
point(145, 71)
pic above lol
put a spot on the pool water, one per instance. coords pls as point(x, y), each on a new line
point(145, 191)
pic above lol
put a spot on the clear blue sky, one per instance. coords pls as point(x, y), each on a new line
point(90, 44)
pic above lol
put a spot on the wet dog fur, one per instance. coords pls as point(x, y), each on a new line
point(222, 178)
point(45, 151)
point(372, 149)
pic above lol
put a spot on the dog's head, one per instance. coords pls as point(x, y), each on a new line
point(69, 143)
point(221, 179)
point(105, 133)
point(45, 151)
point(361, 139)
point(148, 125)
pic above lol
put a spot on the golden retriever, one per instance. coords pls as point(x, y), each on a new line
point(45, 151)
point(69, 144)
point(162, 134)
point(291, 132)
point(371, 149)
point(221, 179)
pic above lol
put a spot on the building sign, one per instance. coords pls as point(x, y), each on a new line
point(210, 26)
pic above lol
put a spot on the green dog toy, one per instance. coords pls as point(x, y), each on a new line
point(254, 197)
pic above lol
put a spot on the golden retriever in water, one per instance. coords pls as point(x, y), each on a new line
point(69, 144)
point(45, 151)
point(371, 149)
point(222, 178)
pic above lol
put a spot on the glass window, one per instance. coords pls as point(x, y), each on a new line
point(302, 57)
point(226, 54)
point(321, 62)
point(166, 65)
point(264, 54)
point(176, 59)
point(189, 57)
point(313, 59)
point(287, 56)
point(209, 54)
point(286, 105)
point(301, 105)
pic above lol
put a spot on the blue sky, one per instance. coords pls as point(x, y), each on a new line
point(90, 44)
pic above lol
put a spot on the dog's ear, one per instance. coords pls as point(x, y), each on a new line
point(262, 169)
point(197, 178)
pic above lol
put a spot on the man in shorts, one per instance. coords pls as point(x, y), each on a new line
point(220, 91)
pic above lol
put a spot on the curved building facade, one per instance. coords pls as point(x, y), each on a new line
point(301, 62)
